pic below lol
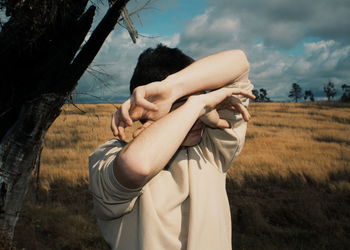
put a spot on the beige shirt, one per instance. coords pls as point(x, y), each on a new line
point(185, 206)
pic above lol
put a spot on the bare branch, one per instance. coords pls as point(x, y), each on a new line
point(146, 36)
point(7, 110)
point(100, 69)
point(143, 7)
point(95, 42)
point(129, 25)
point(71, 102)
point(99, 79)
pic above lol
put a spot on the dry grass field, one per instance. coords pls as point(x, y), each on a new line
point(289, 188)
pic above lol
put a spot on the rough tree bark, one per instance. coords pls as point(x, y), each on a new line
point(39, 68)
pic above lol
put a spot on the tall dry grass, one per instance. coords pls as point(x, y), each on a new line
point(289, 188)
point(304, 139)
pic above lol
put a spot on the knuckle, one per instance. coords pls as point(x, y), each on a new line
point(124, 112)
point(137, 89)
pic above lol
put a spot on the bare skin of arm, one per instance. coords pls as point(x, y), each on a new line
point(148, 153)
point(154, 100)
point(211, 72)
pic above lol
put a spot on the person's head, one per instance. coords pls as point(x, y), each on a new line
point(155, 64)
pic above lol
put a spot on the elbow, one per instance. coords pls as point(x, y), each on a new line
point(240, 56)
point(131, 171)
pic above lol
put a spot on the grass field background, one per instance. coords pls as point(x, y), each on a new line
point(288, 189)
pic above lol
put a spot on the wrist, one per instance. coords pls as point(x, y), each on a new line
point(197, 103)
point(173, 83)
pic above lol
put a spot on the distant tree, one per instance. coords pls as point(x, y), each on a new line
point(296, 92)
point(310, 95)
point(256, 93)
point(346, 95)
point(329, 90)
point(261, 95)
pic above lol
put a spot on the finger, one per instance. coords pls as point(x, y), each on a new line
point(215, 97)
point(146, 104)
point(139, 99)
point(239, 107)
point(232, 108)
point(246, 94)
point(229, 106)
point(223, 124)
point(137, 113)
point(125, 108)
point(121, 132)
point(238, 91)
point(243, 110)
point(210, 118)
point(113, 124)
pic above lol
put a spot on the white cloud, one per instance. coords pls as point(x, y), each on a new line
point(313, 47)
point(117, 59)
point(173, 41)
point(265, 30)
point(261, 29)
point(283, 24)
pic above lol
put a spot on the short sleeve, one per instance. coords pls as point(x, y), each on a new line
point(244, 83)
point(111, 199)
point(222, 146)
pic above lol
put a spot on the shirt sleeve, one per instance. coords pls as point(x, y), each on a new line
point(222, 146)
point(111, 199)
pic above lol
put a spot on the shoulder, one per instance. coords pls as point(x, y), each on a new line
point(109, 148)
point(100, 163)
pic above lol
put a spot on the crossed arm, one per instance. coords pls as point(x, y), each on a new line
point(149, 152)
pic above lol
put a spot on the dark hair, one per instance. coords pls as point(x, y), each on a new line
point(156, 64)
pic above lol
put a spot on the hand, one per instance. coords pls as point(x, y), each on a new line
point(117, 123)
point(150, 102)
point(213, 120)
point(223, 99)
point(234, 103)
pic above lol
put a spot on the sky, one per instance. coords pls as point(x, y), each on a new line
point(286, 41)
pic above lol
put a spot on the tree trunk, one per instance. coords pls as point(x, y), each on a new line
point(19, 153)
point(42, 77)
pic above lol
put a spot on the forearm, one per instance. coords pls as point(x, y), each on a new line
point(149, 152)
point(208, 73)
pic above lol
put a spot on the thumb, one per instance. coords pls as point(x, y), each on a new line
point(139, 99)
point(223, 124)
